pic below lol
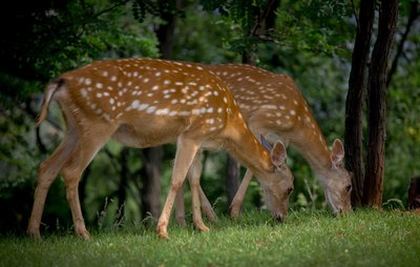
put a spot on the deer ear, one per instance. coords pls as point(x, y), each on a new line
point(265, 143)
point(337, 153)
point(278, 154)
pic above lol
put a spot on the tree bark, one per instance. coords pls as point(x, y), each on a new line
point(150, 193)
point(165, 31)
point(414, 193)
point(270, 19)
point(373, 185)
point(232, 181)
point(353, 135)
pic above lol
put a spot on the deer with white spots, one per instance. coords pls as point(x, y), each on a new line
point(274, 107)
point(143, 103)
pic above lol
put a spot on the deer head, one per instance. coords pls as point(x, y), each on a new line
point(337, 181)
point(280, 185)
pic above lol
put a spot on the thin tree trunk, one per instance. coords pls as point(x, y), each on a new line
point(414, 193)
point(373, 186)
point(270, 19)
point(355, 97)
point(165, 31)
point(150, 193)
point(232, 178)
point(122, 188)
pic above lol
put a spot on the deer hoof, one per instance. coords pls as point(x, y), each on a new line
point(34, 234)
point(202, 227)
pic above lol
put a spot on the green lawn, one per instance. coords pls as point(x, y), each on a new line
point(364, 238)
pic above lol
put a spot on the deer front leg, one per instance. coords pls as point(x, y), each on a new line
point(185, 153)
point(237, 201)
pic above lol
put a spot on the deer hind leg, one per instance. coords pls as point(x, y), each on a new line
point(206, 206)
point(237, 201)
point(47, 173)
point(194, 180)
point(180, 207)
point(73, 169)
point(185, 153)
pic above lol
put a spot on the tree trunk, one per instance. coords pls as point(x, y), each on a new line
point(232, 178)
point(414, 193)
point(165, 31)
point(271, 16)
point(150, 193)
point(355, 97)
point(122, 188)
point(373, 186)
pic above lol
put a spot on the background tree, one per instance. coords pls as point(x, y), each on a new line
point(378, 73)
point(353, 135)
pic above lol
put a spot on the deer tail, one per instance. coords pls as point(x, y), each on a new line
point(49, 93)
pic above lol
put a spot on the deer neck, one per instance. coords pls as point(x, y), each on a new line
point(317, 155)
point(245, 147)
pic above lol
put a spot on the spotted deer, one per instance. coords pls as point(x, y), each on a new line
point(143, 103)
point(274, 107)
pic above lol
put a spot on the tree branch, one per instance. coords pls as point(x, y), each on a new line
point(414, 15)
point(262, 18)
point(355, 13)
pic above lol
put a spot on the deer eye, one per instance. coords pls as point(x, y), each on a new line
point(348, 188)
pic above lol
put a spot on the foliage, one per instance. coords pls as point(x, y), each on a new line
point(365, 238)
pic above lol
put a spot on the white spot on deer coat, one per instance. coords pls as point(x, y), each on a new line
point(88, 81)
point(151, 109)
point(135, 104)
point(83, 92)
point(142, 107)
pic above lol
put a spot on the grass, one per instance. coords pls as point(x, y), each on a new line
point(364, 238)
